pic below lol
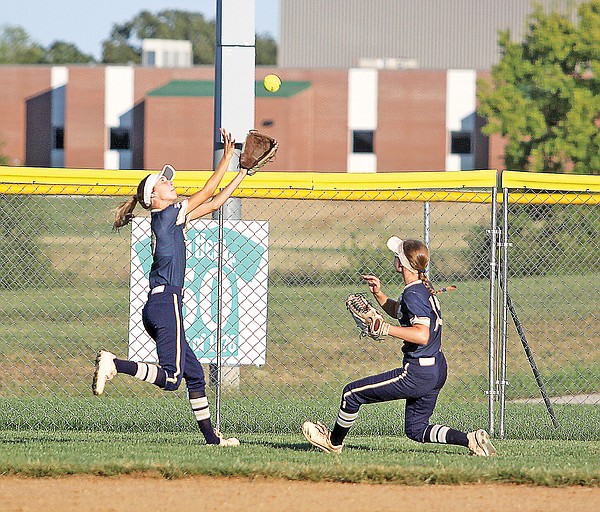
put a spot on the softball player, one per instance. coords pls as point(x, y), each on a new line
point(162, 314)
point(423, 371)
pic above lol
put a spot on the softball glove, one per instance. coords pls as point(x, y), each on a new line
point(258, 150)
point(367, 319)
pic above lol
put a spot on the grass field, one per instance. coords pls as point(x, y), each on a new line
point(365, 459)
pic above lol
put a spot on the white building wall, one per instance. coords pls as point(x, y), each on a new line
point(362, 115)
point(118, 112)
point(461, 102)
point(167, 53)
point(59, 77)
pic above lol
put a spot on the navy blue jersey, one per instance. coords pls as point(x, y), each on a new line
point(418, 306)
point(168, 245)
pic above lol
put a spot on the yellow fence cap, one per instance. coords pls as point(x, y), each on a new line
point(542, 181)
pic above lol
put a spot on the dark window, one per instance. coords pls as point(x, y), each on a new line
point(59, 138)
point(460, 143)
point(150, 58)
point(363, 141)
point(119, 138)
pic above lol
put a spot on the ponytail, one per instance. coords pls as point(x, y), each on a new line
point(124, 213)
point(417, 254)
point(425, 280)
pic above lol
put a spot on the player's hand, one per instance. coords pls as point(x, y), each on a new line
point(228, 143)
point(373, 283)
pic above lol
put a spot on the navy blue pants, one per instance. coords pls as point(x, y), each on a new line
point(418, 385)
point(163, 320)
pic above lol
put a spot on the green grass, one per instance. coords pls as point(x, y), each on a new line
point(138, 412)
point(375, 459)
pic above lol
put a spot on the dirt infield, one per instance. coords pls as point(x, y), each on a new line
point(143, 493)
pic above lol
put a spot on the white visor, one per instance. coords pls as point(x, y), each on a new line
point(167, 171)
point(396, 245)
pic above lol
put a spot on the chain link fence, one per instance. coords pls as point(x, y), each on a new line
point(65, 289)
point(549, 360)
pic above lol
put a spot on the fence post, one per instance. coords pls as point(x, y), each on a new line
point(504, 286)
point(492, 317)
point(231, 210)
point(235, 57)
point(427, 226)
point(426, 222)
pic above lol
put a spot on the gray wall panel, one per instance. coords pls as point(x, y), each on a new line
point(439, 34)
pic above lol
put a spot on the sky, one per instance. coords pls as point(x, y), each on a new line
point(86, 23)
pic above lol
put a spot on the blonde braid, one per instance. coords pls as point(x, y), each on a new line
point(425, 280)
point(417, 254)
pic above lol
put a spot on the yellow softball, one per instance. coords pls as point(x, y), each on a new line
point(272, 83)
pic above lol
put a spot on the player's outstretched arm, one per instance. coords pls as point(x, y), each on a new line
point(217, 201)
point(209, 188)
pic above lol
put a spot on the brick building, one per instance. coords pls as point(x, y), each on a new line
point(346, 120)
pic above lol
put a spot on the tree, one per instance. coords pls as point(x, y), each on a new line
point(123, 46)
point(266, 50)
point(544, 94)
point(61, 52)
point(16, 47)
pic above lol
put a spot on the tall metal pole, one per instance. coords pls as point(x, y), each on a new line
point(427, 225)
point(504, 283)
point(492, 317)
point(426, 222)
point(235, 60)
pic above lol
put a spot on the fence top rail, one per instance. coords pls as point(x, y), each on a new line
point(555, 182)
point(300, 180)
point(460, 186)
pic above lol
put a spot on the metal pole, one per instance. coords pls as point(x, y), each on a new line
point(427, 226)
point(426, 222)
point(492, 319)
point(504, 282)
point(233, 110)
point(530, 358)
point(219, 326)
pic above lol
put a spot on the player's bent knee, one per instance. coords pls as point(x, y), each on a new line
point(415, 432)
point(350, 401)
point(172, 385)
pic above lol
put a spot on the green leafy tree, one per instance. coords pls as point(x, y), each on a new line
point(124, 43)
point(117, 50)
point(266, 50)
point(16, 47)
point(61, 52)
point(544, 94)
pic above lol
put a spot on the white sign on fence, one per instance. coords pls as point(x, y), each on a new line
point(244, 301)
